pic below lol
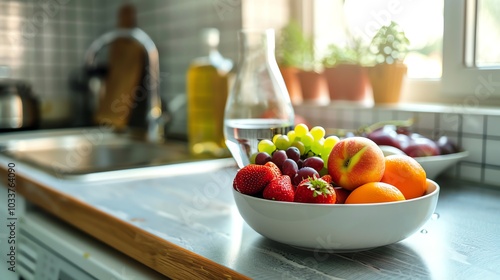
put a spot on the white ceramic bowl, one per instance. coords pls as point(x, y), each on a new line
point(337, 227)
point(435, 165)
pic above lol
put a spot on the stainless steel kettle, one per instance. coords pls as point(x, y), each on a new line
point(19, 108)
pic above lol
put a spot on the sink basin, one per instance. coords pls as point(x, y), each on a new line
point(79, 153)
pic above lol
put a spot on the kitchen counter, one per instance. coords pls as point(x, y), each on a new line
point(183, 223)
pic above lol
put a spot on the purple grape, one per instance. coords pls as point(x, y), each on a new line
point(314, 162)
point(289, 168)
point(293, 153)
point(262, 157)
point(279, 157)
point(304, 173)
point(300, 163)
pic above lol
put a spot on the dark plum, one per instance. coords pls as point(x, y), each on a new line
point(447, 146)
point(385, 136)
point(405, 130)
point(422, 147)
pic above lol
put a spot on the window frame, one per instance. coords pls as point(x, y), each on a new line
point(461, 77)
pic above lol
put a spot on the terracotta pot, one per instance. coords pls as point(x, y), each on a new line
point(387, 81)
point(347, 82)
point(292, 84)
point(313, 86)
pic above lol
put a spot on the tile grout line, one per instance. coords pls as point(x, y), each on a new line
point(460, 136)
point(483, 154)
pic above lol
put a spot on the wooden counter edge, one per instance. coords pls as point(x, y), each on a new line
point(167, 258)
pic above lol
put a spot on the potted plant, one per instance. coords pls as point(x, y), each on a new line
point(389, 47)
point(290, 54)
point(312, 83)
point(345, 74)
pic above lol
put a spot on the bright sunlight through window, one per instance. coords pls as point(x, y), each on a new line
point(345, 22)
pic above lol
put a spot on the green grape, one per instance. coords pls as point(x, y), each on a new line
point(275, 137)
point(267, 146)
point(307, 139)
point(326, 151)
point(291, 135)
point(301, 130)
point(282, 142)
point(330, 141)
point(317, 146)
point(317, 132)
point(325, 157)
point(299, 145)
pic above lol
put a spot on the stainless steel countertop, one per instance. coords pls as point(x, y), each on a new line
point(193, 207)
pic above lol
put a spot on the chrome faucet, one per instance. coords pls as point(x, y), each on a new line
point(156, 119)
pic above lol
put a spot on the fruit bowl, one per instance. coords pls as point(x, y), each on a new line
point(435, 165)
point(337, 227)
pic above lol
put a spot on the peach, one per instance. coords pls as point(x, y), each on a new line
point(356, 161)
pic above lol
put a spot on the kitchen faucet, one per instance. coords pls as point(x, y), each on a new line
point(156, 118)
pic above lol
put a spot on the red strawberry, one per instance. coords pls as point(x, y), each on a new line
point(280, 189)
point(315, 190)
point(327, 178)
point(274, 168)
point(342, 194)
point(252, 179)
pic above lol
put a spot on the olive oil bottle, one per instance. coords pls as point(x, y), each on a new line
point(207, 90)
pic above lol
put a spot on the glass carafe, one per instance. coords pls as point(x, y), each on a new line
point(258, 106)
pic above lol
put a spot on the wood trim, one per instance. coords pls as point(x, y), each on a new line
point(167, 258)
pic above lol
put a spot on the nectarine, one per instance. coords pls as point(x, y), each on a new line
point(356, 161)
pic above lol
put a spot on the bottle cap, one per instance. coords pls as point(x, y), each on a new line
point(210, 36)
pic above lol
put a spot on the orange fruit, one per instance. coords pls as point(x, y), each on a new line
point(374, 192)
point(406, 174)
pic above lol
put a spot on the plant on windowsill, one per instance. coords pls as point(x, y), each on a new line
point(389, 47)
point(291, 54)
point(311, 80)
point(344, 72)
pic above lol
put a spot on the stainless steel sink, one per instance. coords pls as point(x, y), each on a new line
point(78, 153)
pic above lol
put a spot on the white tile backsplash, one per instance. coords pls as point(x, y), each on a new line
point(449, 122)
point(475, 148)
point(384, 115)
point(403, 115)
point(493, 128)
point(493, 152)
point(473, 124)
point(425, 120)
point(364, 116)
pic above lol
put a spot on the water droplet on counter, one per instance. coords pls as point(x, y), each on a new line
point(424, 231)
point(435, 216)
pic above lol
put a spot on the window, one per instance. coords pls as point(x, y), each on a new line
point(360, 19)
point(487, 33)
point(468, 50)
point(455, 53)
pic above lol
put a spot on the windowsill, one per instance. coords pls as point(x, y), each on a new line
point(455, 108)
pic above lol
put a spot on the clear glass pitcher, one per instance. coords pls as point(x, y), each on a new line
point(258, 106)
